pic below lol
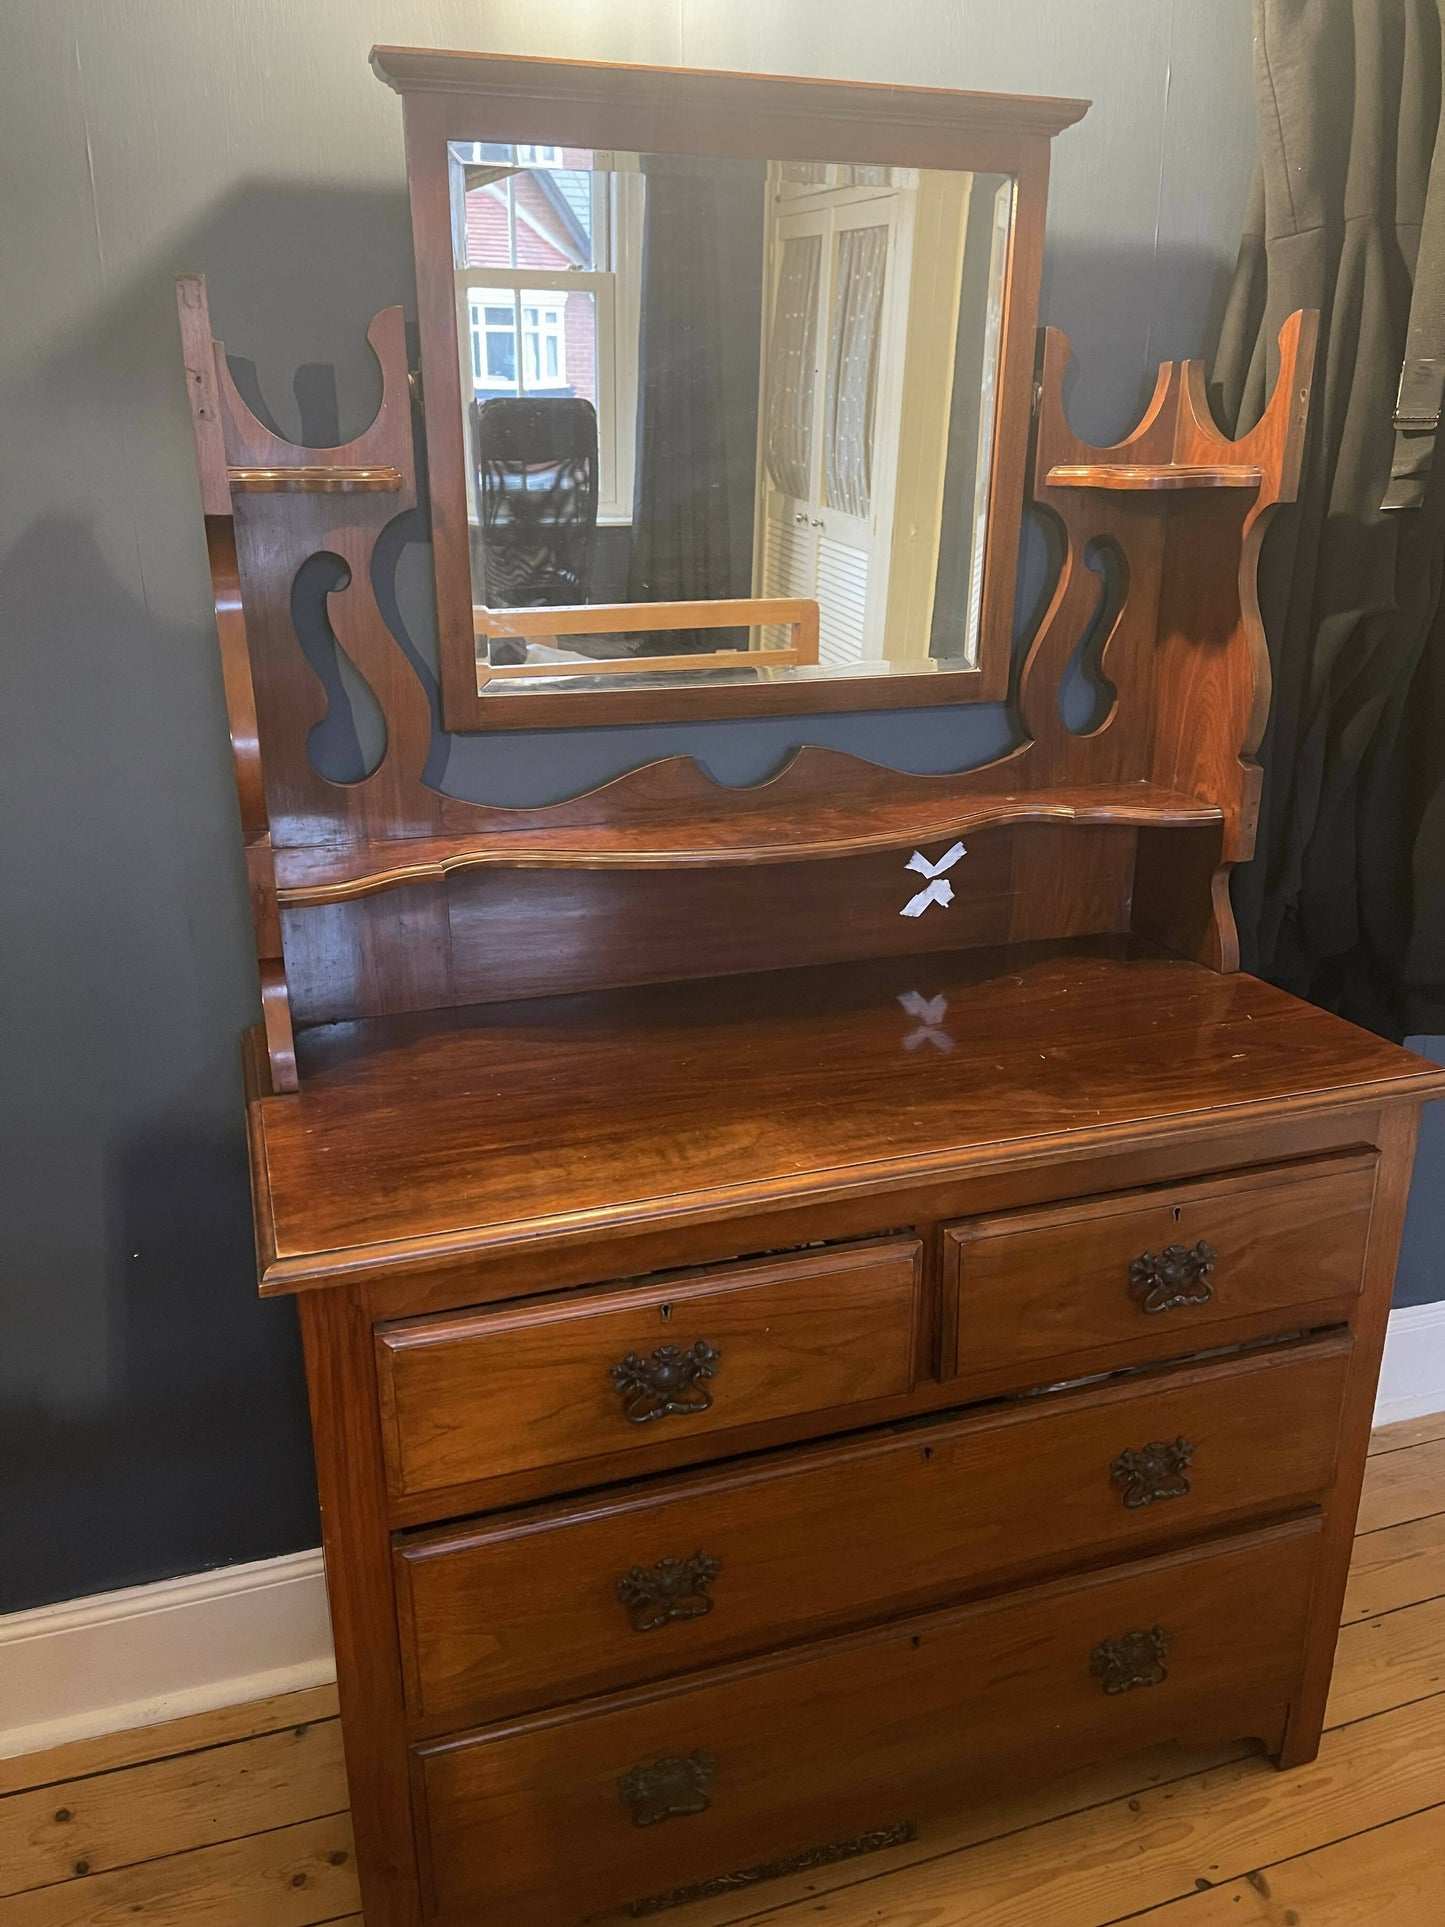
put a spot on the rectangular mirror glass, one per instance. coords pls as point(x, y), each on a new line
point(690, 380)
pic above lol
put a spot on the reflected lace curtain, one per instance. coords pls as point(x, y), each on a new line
point(789, 431)
point(853, 332)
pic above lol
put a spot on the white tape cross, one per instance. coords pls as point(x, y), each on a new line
point(939, 890)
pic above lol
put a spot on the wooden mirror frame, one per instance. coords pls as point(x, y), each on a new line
point(461, 96)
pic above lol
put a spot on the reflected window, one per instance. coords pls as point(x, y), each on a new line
point(519, 341)
point(547, 249)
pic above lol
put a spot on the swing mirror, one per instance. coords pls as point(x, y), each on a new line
point(713, 432)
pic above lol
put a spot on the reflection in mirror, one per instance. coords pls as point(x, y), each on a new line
point(697, 381)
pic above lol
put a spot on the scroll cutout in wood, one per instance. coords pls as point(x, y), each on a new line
point(1171, 764)
point(1186, 509)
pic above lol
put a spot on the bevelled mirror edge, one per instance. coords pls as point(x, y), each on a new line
point(867, 130)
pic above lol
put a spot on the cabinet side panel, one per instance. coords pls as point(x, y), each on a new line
point(341, 1379)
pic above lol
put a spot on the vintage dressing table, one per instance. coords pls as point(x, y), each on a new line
point(827, 1299)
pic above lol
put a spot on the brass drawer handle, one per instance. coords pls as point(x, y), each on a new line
point(669, 1384)
point(667, 1789)
point(1177, 1276)
point(1133, 1659)
point(672, 1589)
point(1147, 1473)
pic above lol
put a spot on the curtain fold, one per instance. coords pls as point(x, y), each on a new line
point(1342, 903)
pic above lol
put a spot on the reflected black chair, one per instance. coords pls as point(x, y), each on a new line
point(536, 477)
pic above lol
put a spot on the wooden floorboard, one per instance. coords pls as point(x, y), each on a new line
point(1410, 1431)
point(1403, 1485)
point(1396, 1566)
point(142, 1743)
point(236, 1819)
point(1393, 1877)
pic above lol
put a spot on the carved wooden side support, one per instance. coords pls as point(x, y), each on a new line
point(236, 673)
point(1185, 511)
point(290, 503)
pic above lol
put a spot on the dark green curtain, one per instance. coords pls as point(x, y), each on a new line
point(1345, 901)
point(698, 350)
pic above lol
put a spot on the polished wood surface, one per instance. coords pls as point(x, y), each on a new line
point(524, 1609)
point(860, 1734)
point(316, 479)
point(618, 926)
point(1153, 475)
point(1287, 1243)
point(451, 97)
point(208, 429)
point(425, 1135)
point(576, 1378)
point(747, 835)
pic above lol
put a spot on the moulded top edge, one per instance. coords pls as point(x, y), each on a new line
point(438, 70)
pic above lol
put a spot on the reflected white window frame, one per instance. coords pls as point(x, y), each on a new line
point(617, 208)
point(530, 339)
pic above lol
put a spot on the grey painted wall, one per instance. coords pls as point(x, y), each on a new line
point(152, 1409)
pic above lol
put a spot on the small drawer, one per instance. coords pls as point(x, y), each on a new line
point(530, 1609)
point(595, 1375)
point(573, 1814)
point(1092, 1285)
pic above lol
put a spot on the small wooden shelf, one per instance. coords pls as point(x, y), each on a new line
point(316, 479)
point(1154, 475)
point(308, 878)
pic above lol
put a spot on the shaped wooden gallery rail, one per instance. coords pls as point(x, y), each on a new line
point(1181, 660)
point(309, 878)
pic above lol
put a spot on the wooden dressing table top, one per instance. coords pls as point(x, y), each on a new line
point(459, 1130)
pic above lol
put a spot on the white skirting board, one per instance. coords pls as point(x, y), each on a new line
point(151, 1653)
point(123, 1659)
point(1412, 1378)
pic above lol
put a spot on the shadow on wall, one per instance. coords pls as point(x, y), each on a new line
point(197, 1452)
point(152, 1413)
point(151, 1409)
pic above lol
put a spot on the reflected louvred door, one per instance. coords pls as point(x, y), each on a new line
point(790, 539)
point(824, 342)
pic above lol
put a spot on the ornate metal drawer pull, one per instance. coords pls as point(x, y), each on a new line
point(1148, 1473)
point(1133, 1659)
point(1177, 1276)
point(672, 1589)
point(667, 1384)
point(668, 1789)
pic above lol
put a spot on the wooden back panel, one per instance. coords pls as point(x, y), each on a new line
point(383, 895)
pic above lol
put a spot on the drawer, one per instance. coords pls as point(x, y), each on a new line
point(595, 1375)
point(1086, 1287)
point(530, 1609)
point(572, 1814)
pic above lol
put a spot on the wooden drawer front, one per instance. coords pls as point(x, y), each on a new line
point(550, 1821)
point(1086, 1287)
point(552, 1604)
point(492, 1393)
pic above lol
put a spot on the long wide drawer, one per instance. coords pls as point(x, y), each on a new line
point(570, 1815)
point(534, 1608)
point(481, 1395)
point(1085, 1287)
